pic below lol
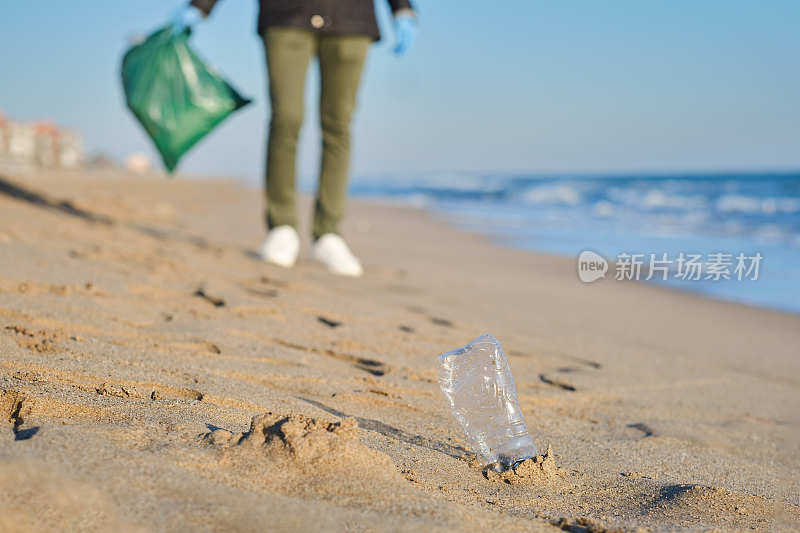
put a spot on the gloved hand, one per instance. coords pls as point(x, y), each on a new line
point(405, 31)
point(186, 17)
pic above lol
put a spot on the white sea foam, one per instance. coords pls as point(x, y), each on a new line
point(604, 208)
point(552, 194)
point(770, 233)
point(732, 203)
point(658, 199)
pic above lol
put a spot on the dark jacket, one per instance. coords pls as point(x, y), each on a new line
point(336, 17)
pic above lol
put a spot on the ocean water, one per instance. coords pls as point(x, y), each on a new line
point(723, 221)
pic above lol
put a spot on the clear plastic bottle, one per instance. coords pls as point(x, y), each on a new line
point(476, 380)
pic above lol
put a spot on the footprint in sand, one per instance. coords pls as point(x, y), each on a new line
point(691, 504)
point(329, 322)
point(264, 293)
point(373, 366)
point(14, 408)
point(263, 287)
point(644, 428)
point(38, 341)
point(153, 392)
point(554, 382)
point(213, 300)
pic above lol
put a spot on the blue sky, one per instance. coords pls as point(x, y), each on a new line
point(517, 85)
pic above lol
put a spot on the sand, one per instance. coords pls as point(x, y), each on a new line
point(155, 376)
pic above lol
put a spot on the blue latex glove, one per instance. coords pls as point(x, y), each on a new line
point(186, 17)
point(405, 31)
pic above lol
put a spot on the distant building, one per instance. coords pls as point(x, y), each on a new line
point(138, 163)
point(38, 145)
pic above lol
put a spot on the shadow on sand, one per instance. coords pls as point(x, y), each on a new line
point(456, 452)
point(18, 192)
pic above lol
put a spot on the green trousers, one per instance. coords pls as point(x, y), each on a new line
point(341, 61)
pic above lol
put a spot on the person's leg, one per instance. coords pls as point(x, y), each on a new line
point(288, 53)
point(341, 60)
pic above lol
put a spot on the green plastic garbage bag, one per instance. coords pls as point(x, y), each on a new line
point(174, 94)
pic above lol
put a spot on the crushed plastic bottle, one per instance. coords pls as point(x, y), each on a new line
point(477, 382)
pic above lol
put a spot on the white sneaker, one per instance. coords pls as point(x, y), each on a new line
point(333, 252)
point(281, 246)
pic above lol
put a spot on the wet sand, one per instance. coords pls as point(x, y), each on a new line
point(155, 376)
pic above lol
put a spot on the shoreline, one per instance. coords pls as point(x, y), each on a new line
point(672, 214)
point(442, 218)
point(663, 409)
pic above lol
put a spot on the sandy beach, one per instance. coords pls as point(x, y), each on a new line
point(156, 376)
